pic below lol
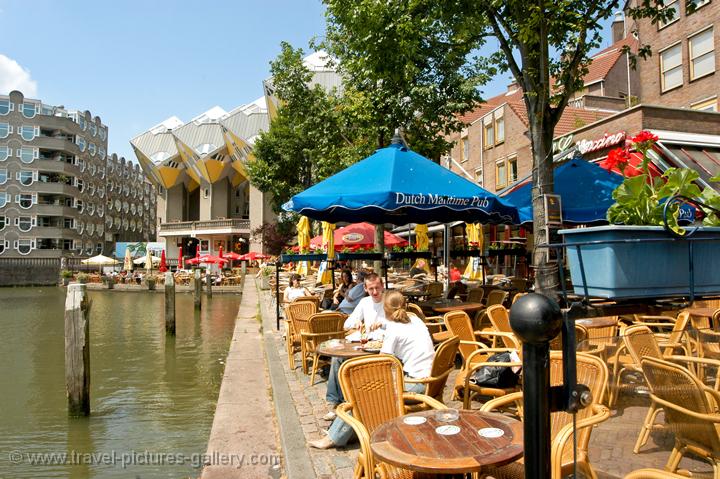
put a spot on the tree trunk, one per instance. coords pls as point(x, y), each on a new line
point(379, 246)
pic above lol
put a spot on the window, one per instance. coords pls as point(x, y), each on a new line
point(91, 149)
point(81, 122)
point(103, 133)
point(79, 205)
point(3, 176)
point(3, 224)
point(697, 4)
point(489, 134)
point(24, 246)
point(465, 149)
point(500, 174)
point(27, 154)
point(5, 130)
point(4, 198)
point(5, 107)
point(29, 110)
point(674, 6)
point(29, 132)
point(68, 223)
point(25, 200)
point(206, 148)
point(24, 223)
point(92, 169)
point(80, 142)
point(3, 246)
point(90, 228)
point(702, 54)
point(4, 152)
point(101, 210)
point(710, 104)
point(101, 153)
point(512, 170)
point(80, 227)
point(25, 177)
point(479, 176)
point(671, 74)
point(90, 209)
point(499, 130)
point(93, 128)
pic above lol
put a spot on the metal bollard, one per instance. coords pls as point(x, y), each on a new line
point(536, 319)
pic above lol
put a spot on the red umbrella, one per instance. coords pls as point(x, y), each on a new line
point(195, 260)
point(220, 255)
point(210, 259)
point(163, 265)
point(253, 256)
point(180, 258)
point(232, 256)
point(359, 235)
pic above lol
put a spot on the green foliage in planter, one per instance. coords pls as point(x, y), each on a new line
point(66, 273)
point(640, 200)
point(83, 277)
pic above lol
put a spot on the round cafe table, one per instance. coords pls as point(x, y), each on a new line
point(484, 439)
point(344, 349)
point(595, 323)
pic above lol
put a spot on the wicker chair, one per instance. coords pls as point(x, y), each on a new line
point(373, 390)
point(590, 371)
point(475, 295)
point(689, 409)
point(434, 291)
point(653, 474)
point(496, 296)
point(320, 327)
point(500, 321)
point(443, 365)
point(640, 343)
point(706, 341)
point(475, 356)
point(297, 314)
point(581, 333)
point(434, 323)
point(313, 299)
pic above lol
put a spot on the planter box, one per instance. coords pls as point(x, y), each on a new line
point(642, 267)
point(507, 252)
point(287, 258)
point(359, 256)
point(395, 255)
point(468, 253)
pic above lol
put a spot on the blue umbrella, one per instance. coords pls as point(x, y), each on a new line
point(396, 185)
point(586, 191)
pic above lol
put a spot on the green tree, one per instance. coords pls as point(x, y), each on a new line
point(404, 55)
point(315, 134)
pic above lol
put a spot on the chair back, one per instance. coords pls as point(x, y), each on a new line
point(298, 312)
point(592, 372)
point(605, 336)
point(517, 296)
point(500, 320)
point(496, 296)
point(640, 343)
point(434, 290)
point(313, 299)
point(417, 310)
point(681, 323)
point(443, 365)
point(459, 324)
point(326, 322)
point(475, 295)
point(581, 333)
point(373, 385)
point(672, 383)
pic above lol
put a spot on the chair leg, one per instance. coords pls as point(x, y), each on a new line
point(314, 368)
point(291, 353)
point(646, 427)
point(674, 459)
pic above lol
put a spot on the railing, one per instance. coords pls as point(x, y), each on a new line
point(204, 225)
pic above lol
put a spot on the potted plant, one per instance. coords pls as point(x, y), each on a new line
point(407, 252)
point(265, 274)
point(66, 276)
point(645, 252)
point(108, 281)
point(151, 281)
point(82, 278)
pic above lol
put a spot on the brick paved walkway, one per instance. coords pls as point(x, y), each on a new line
point(611, 444)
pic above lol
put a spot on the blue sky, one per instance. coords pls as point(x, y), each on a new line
point(135, 63)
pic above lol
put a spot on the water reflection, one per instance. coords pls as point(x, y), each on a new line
point(150, 393)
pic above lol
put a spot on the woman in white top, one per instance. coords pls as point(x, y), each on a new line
point(408, 339)
point(295, 290)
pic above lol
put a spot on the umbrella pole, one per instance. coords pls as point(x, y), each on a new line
point(446, 256)
point(277, 295)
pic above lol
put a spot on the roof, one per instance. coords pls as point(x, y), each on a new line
point(604, 60)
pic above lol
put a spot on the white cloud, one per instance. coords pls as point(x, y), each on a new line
point(14, 77)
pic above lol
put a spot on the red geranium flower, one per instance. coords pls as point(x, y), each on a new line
point(644, 136)
point(617, 159)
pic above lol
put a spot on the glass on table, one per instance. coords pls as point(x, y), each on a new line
point(447, 415)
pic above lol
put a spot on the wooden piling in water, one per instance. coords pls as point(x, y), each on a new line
point(77, 350)
point(198, 289)
point(169, 303)
point(208, 281)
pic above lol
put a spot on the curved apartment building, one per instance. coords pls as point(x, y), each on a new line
point(61, 193)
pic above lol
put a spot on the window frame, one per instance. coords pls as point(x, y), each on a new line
point(498, 164)
point(33, 177)
point(486, 128)
point(19, 199)
point(3, 222)
point(499, 120)
point(23, 149)
point(24, 105)
point(31, 245)
point(690, 53)
point(5, 171)
point(511, 159)
point(663, 86)
point(465, 144)
point(9, 129)
point(710, 101)
point(10, 107)
point(6, 197)
point(8, 152)
point(31, 220)
point(675, 18)
point(480, 173)
point(23, 129)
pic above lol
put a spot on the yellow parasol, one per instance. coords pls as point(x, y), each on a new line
point(422, 243)
point(149, 261)
point(303, 229)
point(328, 242)
point(128, 264)
point(475, 238)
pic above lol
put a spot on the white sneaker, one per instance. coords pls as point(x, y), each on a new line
point(329, 416)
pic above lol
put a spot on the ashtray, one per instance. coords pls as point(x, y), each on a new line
point(447, 415)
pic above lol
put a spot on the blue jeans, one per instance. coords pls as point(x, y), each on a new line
point(341, 432)
point(334, 395)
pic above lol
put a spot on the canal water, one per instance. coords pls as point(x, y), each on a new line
point(152, 396)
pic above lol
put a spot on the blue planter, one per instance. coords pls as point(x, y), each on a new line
point(644, 266)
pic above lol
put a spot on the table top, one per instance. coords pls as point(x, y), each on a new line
point(342, 349)
point(462, 306)
point(702, 312)
point(601, 322)
point(421, 448)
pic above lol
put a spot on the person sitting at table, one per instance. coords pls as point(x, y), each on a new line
point(407, 338)
point(418, 269)
point(346, 283)
point(455, 274)
point(354, 295)
point(295, 289)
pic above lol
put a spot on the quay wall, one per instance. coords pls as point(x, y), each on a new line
point(29, 271)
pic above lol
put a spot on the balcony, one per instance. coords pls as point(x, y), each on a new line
point(212, 227)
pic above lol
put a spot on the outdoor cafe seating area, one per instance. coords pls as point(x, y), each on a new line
point(655, 384)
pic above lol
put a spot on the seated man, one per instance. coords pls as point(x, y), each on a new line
point(354, 295)
point(419, 269)
point(368, 313)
